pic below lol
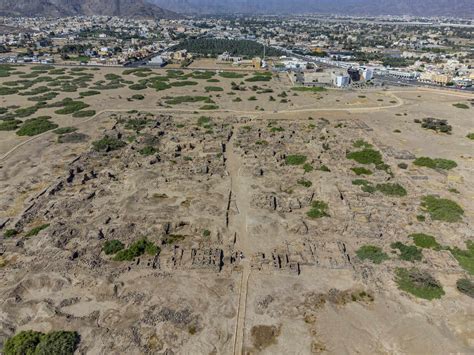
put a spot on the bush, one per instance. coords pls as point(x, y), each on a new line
point(366, 156)
point(137, 249)
point(425, 241)
point(442, 209)
point(172, 239)
point(360, 143)
point(408, 252)
point(71, 107)
point(89, 93)
point(138, 97)
point(391, 189)
point(231, 75)
point(35, 126)
point(461, 105)
point(108, 144)
point(84, 113)
point(213, 88)
point(209, 107)
point(318, 210)
point(465, 286)
point(36, 230)
point(470, 136)
point(295, 159)
point(436, 125)
point(307, 168)
point(112, 246)
point(139, 86)
point(9, 233)
point(418, 283)
point(65, 130)
point(372, 253)
point(305, 183)
point(10, 125)
point(361, 171)
point(73, 137)
point(465, 258)
point(148, 150)
point(58, 343)
point(365, 185)
point(438, 163)
point(324, 168)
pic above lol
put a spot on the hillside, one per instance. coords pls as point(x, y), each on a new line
point(456, 8)
point(60, 8)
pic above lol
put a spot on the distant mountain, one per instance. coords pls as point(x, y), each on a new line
point(61, 8)
point(455, 8)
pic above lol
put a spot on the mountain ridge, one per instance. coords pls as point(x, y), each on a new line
point(63, 8)
point(461, 8)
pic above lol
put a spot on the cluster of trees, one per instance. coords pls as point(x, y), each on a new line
point(214, 47)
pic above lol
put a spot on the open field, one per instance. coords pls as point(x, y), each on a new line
point(281, 222)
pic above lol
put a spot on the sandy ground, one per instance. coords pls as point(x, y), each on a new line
point(287, 282)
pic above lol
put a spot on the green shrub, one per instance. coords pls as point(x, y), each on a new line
point(360, 143)
point(365, 185)
point(35, 126)
point(442, 209)
point(26, 111)
point(408, 252)
point(184, 83)
point(111, 77)
point(372, 253)
point(9, 233)
point(470, 136)
point(465, 286)
point(465, 258)
point(10, 125)
point(391, 189)
point(361, 171)
point(418, 283)
point(444, 164)
point(71, 107)
point(307, 168)
point(209, 107)
point(425, 241)
point(65, 130)
point(295, 159)
point(36, 230)
point(23, 343)
point(89, 93)
point(83, 113)
point(213, 88)
point(7, 91)
point(305, 183)
point(137, 97)
point(318, 209)
point(172, 239)
point(136, 124)
point(366, 156)
point(108, 144)
point(231, 75)
point(148, 150)
point(137, 249)
point(206, 233)
point(462, 106)
point(112, 246)
point(324, 168)
point(138, 86)
point(58, 343)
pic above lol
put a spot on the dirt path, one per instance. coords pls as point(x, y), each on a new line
point(238, 223)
